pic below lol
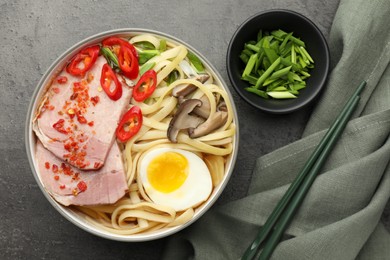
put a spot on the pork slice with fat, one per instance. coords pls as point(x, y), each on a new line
point(76, 120)
point(71, 186)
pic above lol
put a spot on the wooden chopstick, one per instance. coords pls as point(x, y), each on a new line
point(299, 187)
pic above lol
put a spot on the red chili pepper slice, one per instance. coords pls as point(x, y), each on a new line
point(128, 63)
point(108, 76)
point(130, 124)
point(111, 41)
point(145, 86)
point(83, 61)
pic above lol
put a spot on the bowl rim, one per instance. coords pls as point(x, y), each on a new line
point(299, 105)
point(68, 213)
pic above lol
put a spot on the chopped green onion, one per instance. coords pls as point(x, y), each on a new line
point(258, 92)
point(195, 61)
point(163, 45)
point(269, 81)
point(146, 55)
point(293, 77)
point(288, 36)
point(271, 54)
point(293, 55)
point(259, 61)
point(260, 43)
point(287, 50)
point(145, 45)
point(279, 33)
point(147, 66)
point(275, 84)
point(252, 47)
point(266, 74)
point(247, 52)
point(266, 63)
point(304, 52)
point(259, 35)
point(250, 65)
point(252, 42)
point(274, 45)
point(251, 79)
point(173, 76)
point(281, 94)
point(280, 73)
point(297, 41)
point(266, 42)
point(244, 57)
point(298, 86)
point(281, 88)
point(294, 92)
point(304, 73)
point(110, 57)
point(302, 62)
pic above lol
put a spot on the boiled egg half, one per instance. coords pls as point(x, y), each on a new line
point(176, 178)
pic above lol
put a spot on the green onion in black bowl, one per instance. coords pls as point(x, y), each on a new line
point(278, 61)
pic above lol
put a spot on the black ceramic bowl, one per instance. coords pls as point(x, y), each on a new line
point(302, 28)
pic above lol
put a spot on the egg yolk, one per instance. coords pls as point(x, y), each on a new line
point(167, 171)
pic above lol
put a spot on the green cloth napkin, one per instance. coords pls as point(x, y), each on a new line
point(340, 216)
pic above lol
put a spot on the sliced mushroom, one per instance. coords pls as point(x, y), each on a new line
point(221, 106)
point(202, 111)
point(183, 120)
point(217, 120)
point(186, 89)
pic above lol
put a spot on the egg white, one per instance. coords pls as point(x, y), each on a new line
point(195, 189)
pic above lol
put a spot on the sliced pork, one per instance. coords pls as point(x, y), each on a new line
point(77, 120)
point(71, 186)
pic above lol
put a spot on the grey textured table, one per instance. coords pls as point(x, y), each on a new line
point(34, 33)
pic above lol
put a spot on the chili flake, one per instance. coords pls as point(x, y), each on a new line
point(74, 96)
point(89, 77)
point(95, 100)
point(47, 165)
point(62, 79)
point(54, 168)
point(81, 119)
point(59, 126)
point(82, 186)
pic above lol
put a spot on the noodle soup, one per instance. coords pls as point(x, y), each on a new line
point(132, 135)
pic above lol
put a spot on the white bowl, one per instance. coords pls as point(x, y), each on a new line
point(76, 217)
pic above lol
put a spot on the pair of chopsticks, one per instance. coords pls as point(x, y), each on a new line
point(270, 234)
